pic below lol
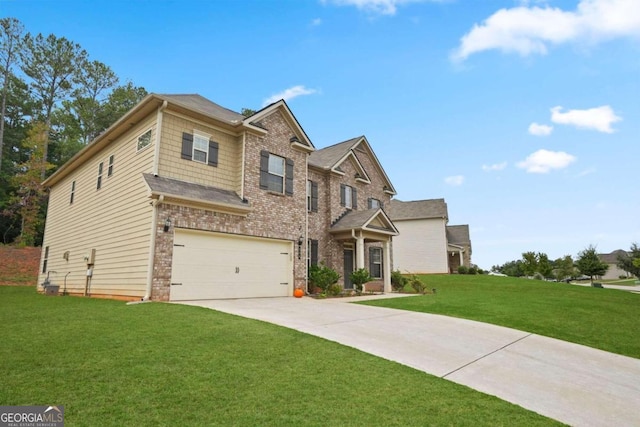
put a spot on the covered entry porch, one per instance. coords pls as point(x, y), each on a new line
point(366, 237)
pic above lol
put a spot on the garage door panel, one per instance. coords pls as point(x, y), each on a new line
point(216, 265)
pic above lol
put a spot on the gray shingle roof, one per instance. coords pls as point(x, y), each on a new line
point(354, 219)
point(458, 235)
point(327, 157)
point(195, 192)
point(203, 105)
point(417, 209)
point(612, 258)
point(360, 219)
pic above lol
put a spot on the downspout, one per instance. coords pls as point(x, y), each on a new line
point(152, 248)
point(156, 157)
point(306, 228)
point(154, 215)
point(244, 145)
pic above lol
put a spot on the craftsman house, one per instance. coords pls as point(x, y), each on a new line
point(426, 244)
point(183, 199)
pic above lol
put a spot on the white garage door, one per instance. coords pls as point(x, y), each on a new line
point(217, 266)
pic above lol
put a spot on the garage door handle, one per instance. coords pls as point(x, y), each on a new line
point(285, 283)
point(176, 284)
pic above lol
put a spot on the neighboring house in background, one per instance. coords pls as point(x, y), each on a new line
point(426, 245)
point(184, 199)
point(459, 246)
point(614, 272)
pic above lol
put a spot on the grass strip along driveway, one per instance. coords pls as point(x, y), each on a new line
point(601, 318)
point(112, 364)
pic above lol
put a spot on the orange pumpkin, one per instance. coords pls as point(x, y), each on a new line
point(298, 293)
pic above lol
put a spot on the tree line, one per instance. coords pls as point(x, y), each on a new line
point(55, 100)
point(587, 263)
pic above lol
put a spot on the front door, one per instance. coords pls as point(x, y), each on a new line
point(348, 268)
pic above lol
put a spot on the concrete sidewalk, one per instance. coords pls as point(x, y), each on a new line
point(571, 383)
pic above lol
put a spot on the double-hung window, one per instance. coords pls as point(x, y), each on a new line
point(99, 182)
point(200, 147)
point(374, 203)
point(312, 196)
point(375, 262)
point(348, 197)
point(110, 168)
point(276, 173)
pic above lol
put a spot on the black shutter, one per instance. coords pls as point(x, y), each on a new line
point(314, 252)
point(213, 154)
point(369, 203)
point(342, 195)
point(187, 146)
point(264, 170)
point(314, 196)
point(354, 193)
point(288, 187)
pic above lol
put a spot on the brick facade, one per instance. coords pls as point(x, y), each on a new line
point(273, 215)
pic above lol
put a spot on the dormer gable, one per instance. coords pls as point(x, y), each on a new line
point(334, 157)
point(298, 138)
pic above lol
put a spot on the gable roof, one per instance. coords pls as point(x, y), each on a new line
point(300, 139)
point(330, 158)
point(458, 235)
point(200, 104)
point(193, 103)
point(612, 258)
point(365, 220)
point(417, 209)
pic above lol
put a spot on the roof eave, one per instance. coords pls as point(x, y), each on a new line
point(151, 102)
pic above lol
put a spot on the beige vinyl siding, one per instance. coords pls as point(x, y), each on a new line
point(114, 220)
point(421, 246)
point(227, 175)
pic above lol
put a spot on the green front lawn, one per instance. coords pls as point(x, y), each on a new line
point(602, 318)
point(112, 364)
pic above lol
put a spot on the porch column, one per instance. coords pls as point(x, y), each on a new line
point(461, 257)
point(386, 264)
point(359, 251)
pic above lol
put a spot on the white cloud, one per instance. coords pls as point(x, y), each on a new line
point(382, 7)
point(455, 180)
point(316, 22)
point(599, 118)
point(540, 130)
point(494, 167)
point(288, 94)
point(544, 161)
point(527, 30)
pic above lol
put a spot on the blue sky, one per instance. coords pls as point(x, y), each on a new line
point(523, 115)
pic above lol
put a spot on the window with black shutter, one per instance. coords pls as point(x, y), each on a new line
point(348, 197)
point(199, 148)
point(276, 173)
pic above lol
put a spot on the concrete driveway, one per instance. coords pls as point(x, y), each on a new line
point(571, 383)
